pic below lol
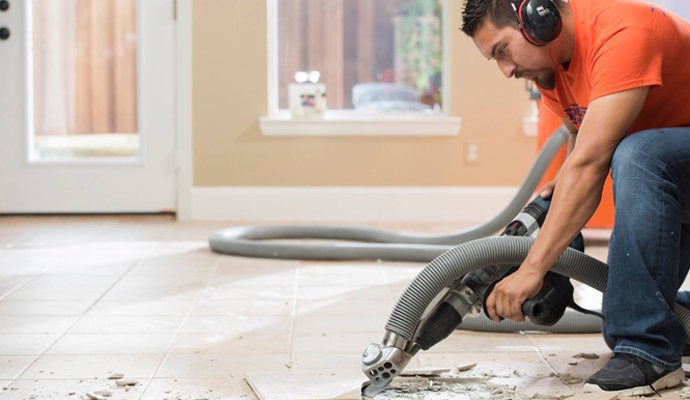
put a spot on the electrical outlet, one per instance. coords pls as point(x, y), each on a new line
point(472, 152)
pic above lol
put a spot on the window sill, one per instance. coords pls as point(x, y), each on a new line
point(337, 124)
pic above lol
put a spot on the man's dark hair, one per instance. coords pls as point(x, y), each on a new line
point(499, 12)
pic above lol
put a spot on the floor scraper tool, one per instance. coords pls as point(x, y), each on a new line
point(466, 297)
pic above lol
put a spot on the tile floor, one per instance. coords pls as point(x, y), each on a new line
point(81, 298)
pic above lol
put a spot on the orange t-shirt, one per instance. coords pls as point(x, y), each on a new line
point(621, 45)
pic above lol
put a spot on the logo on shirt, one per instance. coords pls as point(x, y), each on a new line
point(575, 113)
point(655, 7)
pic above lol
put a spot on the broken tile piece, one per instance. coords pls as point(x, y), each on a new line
point(105, 392)
point(466, 366)
point(95, 396)
point(126, 382)
point(569, 379)
point(589, 356)
point(306, 385)
point(424, 371)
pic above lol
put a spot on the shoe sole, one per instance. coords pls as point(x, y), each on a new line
point(665, 382)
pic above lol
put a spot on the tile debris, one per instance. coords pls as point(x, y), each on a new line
point(424, 371)
point(466, 367)
point(126, 382)
point(588, 356)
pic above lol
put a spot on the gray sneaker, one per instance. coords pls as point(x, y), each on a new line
point(630, 375)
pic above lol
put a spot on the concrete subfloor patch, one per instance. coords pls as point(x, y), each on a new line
point(305, 385)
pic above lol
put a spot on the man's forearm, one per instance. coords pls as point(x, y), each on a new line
point(572, 137)
point(579, 192)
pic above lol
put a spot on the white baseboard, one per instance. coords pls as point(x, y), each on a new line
point(349, 204)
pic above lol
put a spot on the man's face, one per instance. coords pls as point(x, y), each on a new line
point(516, 57)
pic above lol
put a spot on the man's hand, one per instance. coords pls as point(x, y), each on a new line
point(509, 294)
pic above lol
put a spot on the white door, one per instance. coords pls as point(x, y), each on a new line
point(87, 106)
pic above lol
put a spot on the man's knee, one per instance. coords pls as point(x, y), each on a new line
point(648, 150)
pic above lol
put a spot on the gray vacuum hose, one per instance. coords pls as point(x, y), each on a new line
point(571, 322)
point(395, 246)
point(398, 246)
point(504, 251)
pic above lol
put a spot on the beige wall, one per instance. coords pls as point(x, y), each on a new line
point(229, 83)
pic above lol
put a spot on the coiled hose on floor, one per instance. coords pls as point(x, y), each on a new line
point(399, 246)
point(391, 246)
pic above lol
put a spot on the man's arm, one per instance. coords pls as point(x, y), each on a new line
point(572, 138)
point(584, 172)
point(579, 191)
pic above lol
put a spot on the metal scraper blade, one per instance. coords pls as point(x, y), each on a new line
point(372, 389)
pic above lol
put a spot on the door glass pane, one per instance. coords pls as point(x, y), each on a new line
point(84, 88)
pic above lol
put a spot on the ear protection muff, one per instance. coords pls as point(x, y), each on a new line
point(539, 20)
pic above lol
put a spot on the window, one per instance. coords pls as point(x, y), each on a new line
point(374, 55)
point(382, 63)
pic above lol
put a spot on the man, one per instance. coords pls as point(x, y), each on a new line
point(618, 74)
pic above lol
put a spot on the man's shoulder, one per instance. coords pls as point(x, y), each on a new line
point(614, 15)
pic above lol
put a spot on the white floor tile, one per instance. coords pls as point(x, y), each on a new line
point(12, 366)
point(127, 324)
point(345, 307)
point(243, 307)
point(220, 343)
point(68, 389)
point(23, 344)
point(156, 307)
point(335, 343)
point(112, 344)
point(490, 364)
point(87, 366)
point(227, 389)
point(204, 366)
point(238, 325)
point(64, 287)
point(44, 307)
point(36, 324)
point(333, 324)
point(381, 292)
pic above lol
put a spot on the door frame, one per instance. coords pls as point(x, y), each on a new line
point(183, 28)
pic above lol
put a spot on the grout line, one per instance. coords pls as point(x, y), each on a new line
point(76, 248)
point(212, 275)
point(44, 272)
point(83, 314)
point(387, 281)
point(544, 358)
point(294, 314)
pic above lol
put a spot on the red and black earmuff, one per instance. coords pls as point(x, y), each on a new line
point(539, 20)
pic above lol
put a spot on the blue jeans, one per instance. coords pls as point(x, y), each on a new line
point(649, 253)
